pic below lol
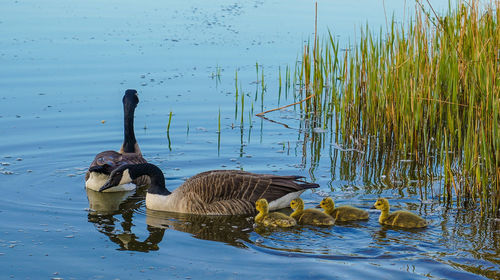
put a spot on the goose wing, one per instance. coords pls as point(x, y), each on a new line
point(234, 191)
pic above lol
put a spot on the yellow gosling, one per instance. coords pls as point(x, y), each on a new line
point(309, 216)
point(275, 219)
point(400, 218)
point(342, 213)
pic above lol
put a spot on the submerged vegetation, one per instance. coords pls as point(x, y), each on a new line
point(426, 91)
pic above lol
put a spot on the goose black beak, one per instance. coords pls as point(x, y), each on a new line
point(106, 186)
point(318, 206)
point(373, 207)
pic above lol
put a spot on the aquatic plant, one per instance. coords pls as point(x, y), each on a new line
point(169, 121)
point(168, 130)
point(428, 90)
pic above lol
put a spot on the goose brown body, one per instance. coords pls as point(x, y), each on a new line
point(342, 213)
point(216, 192)
point(399, 218)
point(309, 216)
point(273, 219)
point(130, 153)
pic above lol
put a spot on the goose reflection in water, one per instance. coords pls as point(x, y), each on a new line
point(231, 230)
point(106, 209)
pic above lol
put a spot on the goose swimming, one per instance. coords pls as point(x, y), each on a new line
point(273, 219)
point(342, 213)
point(216, 192)
point(310, 216)
point(130, 153)
point(399, 218)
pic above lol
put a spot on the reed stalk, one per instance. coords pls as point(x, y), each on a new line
point(429, 89)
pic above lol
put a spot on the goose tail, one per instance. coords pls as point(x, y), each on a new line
point(307, 185)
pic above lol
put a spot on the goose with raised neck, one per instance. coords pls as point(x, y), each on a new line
point(130, 153)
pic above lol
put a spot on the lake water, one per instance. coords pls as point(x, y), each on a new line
point(65, 67)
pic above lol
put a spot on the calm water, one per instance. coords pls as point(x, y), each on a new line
point(65, 66)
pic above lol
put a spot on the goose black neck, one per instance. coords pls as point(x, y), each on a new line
point(155, 174)
point(129, 140)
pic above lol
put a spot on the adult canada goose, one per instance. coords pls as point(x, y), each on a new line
point(309, 216)
point(130, 153)
point(342, 213)
point(216, 192)
point(399, 218)
point(274, 219)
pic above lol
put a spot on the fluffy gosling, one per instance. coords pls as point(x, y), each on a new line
point(400, 218)
point(274, 219)
point(309, 216)
point(342, 213)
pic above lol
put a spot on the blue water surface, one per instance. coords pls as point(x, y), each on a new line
point(65, 67)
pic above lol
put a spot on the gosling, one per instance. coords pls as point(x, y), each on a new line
point(274, 219)
point(342, 213)
point(400, 218)
point(309, 216)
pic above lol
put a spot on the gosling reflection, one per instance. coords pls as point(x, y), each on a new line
point(380, 236)
point(112, 214)
point(232, 230)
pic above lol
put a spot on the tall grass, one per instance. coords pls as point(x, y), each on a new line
point(429, 89)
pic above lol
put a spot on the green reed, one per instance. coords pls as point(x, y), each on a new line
point(242, 107)
point(168, 131)
point(257, 72)
point(236, 94)
point(218, 123)
point(169, 121)
point(287, 81)
point(279, 85)
point(429, 89)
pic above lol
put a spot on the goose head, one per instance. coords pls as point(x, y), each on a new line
point(382, 204)
point(130, 98)
point(128, 172)
point(119, 176)
point(262, 206)
point(327, 203)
